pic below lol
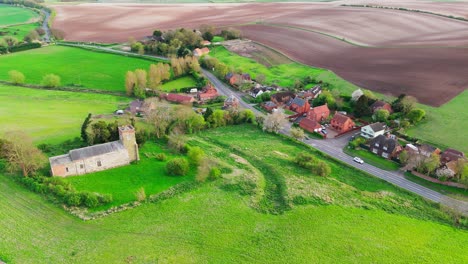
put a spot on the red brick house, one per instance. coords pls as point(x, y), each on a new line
point(298, 105)
point(381, 105)
point(179, 98)
point(269, 106)
point(200, 52)
point(319, 113)
point(209, 92)
point(236, 79)
point(341, 123)
point(310, 125)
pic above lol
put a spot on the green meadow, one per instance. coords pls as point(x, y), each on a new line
point(18, 32)
point(349, 217)
point(445, 126)
point(177, 84)
point(11, 15)
point(51, 116)
point(75, 66)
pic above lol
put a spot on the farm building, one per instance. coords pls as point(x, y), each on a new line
point(200, 52)
point(178, 98)
point(341, 123)
point(98, 157)
point(373, 130)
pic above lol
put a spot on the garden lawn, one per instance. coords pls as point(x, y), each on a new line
point(372, 159)
point(11, 15)
point(284, 74)
point(75, 66)
point(177, 84)
point(18, 32)
point(445, 126)
point(51, 116)
point(123, 182)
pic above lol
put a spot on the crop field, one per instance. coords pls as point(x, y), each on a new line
point(76, 67)
point(387, 57)
point(51, 116)
point(123, 182)
point(445, 126)
point(18, 32)
point(11, 15)
point(177, 84)
point(348, 217)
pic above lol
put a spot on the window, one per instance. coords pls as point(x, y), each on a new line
point(99, 163)
point(385, 155)
point(81, 166)
point(375, 150)
point(377, 144)
point(66, 169)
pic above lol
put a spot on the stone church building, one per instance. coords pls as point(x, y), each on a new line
point(98, 157)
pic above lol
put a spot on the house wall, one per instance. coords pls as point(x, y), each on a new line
point(79, 167)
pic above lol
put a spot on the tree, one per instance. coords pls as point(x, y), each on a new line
point(99, 133)
point(157, 33)
point(21, 154)
point(381, 115)
point(195, 155)
point(130, 82)
point(275, 121)
point(431, 163)
point(297, 133)
point(298, 84)
point(322, 169)
point(260, 78)
point(177, 141)
point(10, 41)
point(217, 118)
point(31, 36)
point(177, 167)
point(161, 117)
point(16, 77)
point(461, 167)
point(51, 80)
point(204, 28)
point(326, 97)
point(416, 115)
point(404, 103)
point(207, 36)
point(404, 157)
point(154, 75)
point(141, 77)
point(84, 127)
point(362, 107)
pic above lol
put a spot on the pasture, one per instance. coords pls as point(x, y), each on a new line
point(75, 66)
point(123, 182)
point(445, 126)
point(11, 15)
point(18, 32)
point(51, 116)
point(348, 217)
point(177, 84)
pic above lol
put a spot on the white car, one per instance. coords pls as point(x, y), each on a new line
point(358, 160)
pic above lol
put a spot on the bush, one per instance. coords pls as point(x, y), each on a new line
point(51, 80)
point(16, 77)
point(195, 155)
point(140, 194)
point(90, 200)
point(73, 199)
point(177, 167)
point(322, 169)
point(105, 198)
point(161, 156)
point(215, 173)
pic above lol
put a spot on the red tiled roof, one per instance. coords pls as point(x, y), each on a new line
point(179, 98)
point(340, 119)
point(309, 124)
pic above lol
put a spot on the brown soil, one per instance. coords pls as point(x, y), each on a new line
point(402, 52)
point(264, 55)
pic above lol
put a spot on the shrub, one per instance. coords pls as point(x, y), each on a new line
point(73, 199)
point(215, 173)
point(161, 156)
point(177, 167)
point(90, 200)
point(140, 194)
point(195, 155)
point(322, 169)
point(105, 199)
point(51, 80)
point(16, 77)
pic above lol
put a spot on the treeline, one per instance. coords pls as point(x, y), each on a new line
point(137, 82)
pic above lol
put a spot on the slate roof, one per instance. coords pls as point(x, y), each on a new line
point(451, 155)
point(377, 127)
point(96, 150)
point(297, 101)
point(316, 89)
point(383, 141)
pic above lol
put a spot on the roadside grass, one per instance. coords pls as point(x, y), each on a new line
point(123, 182)
point(51, 116)
point(18, 32)
point(445, 126)
point(75, 66)
point(372, 159)
point(457, 193)
point(217, 39)
point(284, 74)
point(177, 84)
point(11, 15)
point(212, 225)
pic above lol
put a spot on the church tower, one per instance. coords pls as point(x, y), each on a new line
point(128, 139)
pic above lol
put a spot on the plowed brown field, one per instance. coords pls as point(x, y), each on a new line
point(388, 51)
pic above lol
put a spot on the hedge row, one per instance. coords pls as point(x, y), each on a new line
point(20, 47)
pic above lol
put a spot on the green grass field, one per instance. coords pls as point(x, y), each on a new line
point(445, 126)
point(354, 218)
point(11, 15)
point(51, 116)
point(123, 182)
point(18, 32)
point(177, 84)
point(94, 70)
point(283, 74)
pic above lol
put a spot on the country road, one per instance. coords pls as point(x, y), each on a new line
point(332, 147)
point(45, 26)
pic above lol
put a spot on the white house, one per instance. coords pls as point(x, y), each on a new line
point(372, 130)
point(356, 94)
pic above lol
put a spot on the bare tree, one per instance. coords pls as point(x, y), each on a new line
point(161, 118)
point(297, 133)
point(130, 82)
point(21, 154)
point(275, 121)
point(154, 76)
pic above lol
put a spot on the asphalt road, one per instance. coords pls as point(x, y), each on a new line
point(45, 26)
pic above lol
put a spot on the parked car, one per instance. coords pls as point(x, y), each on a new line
point(324, 131)
point(358, 160)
